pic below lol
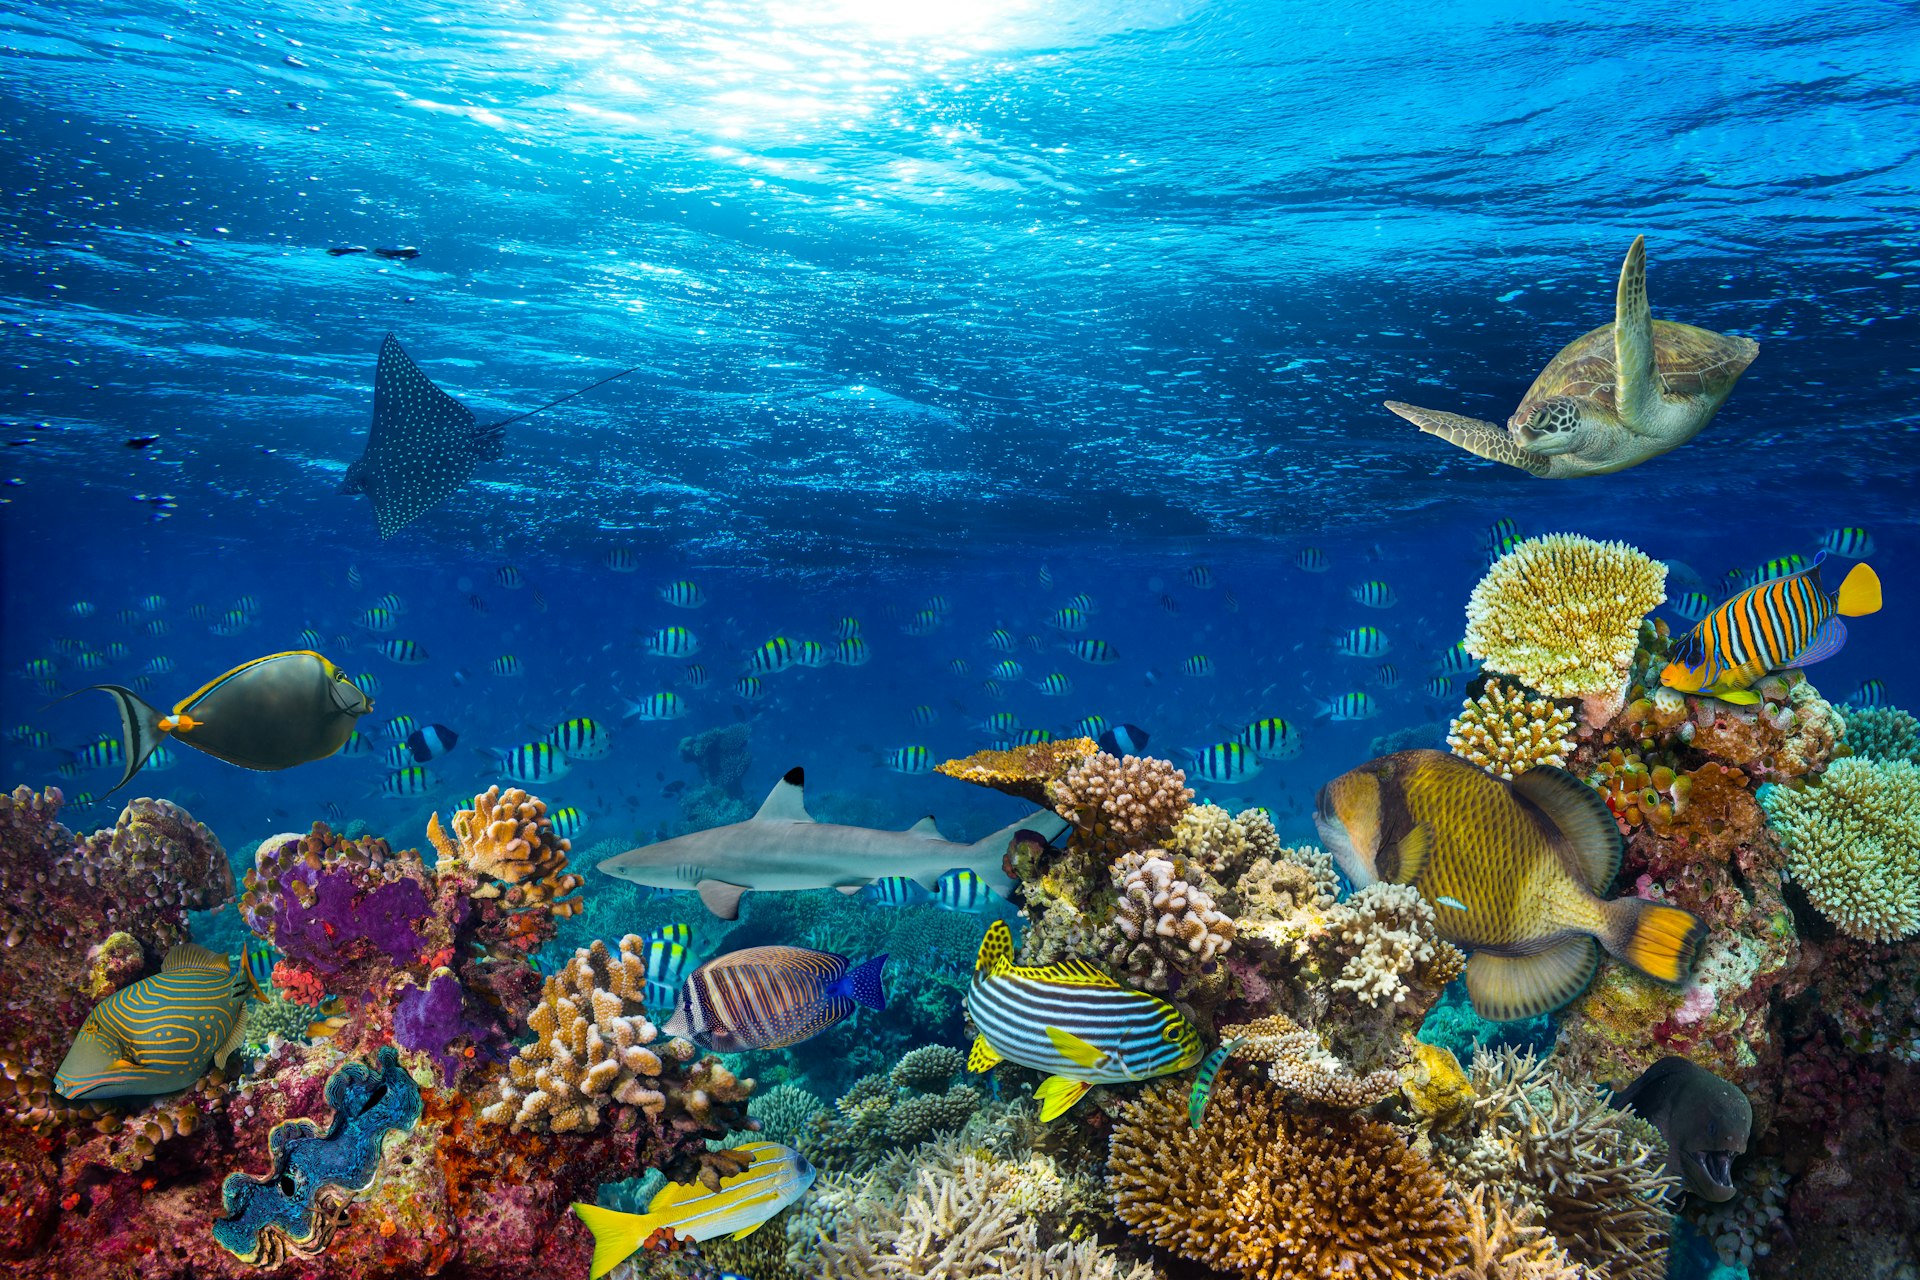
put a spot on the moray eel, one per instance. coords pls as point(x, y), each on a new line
point(1704, 1119)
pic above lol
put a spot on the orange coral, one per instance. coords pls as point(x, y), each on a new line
point(1263, 1192)
point(1022, 771)
point(506, 836)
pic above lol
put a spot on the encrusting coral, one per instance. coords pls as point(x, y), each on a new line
point(1163, 921)
point(1262, 1191)
point(1225, 844)
point(1853, 843)
point(1507, 733)
point(595, 1057)
point(1562, 613)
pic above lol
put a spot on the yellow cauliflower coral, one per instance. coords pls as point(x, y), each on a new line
point(1507, 733)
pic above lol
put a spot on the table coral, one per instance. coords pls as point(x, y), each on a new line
point(1507, 733)
point(1027, 772)
point(1258, 1190)
point(1562, 613)
point(1163, 921)
point(1853, 843)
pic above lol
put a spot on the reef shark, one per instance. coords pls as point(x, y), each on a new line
point(782, 847)
point(423, 444)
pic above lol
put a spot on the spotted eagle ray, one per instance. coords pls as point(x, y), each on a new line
point(782, 847)
point(423, 443)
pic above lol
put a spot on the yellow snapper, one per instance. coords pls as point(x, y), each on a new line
point(1514, 872)
point(272, 713)
point(776, 1178)
point(160, 1034)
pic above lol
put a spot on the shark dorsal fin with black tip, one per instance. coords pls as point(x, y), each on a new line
point(787, 802)
point(925, 829)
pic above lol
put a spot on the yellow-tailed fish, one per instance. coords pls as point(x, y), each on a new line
point(272, 713)
point(776, 1178)
point(1788, 622)
point(1518, 867)
point(1073, 1021)
point(160, 1034)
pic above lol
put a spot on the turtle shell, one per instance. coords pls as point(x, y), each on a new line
point(1693, 363)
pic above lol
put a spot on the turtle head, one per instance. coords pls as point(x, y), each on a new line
point(1549, 427)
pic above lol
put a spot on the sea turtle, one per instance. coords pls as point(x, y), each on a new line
point(1611, 399)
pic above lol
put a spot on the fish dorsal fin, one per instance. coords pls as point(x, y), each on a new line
point(1073, 1048)
point(721, 898)
point(925, 829)
point(191, 955)
point(787, 802)
point(1578, 815)
point(996, 950)
point(1637, 387)
point(1071, 973)
point(676, 1193)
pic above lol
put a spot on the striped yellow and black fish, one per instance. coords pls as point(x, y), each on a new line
point(1224, 763)
point(1363, 642)
point(621, 560)
point(507, 664)
point(1271, 739)
point(1777, 625)
point(1096, 653)
point(1067, 620)
point(813, 654)
point(668, 705)
point(1851, 543)
point(1515, 872)
point(772, 997)
point(1054, 684)
point(533, 762)
point(1198, 665)
point(852, 652)
point(568, 822)
point(673, 642)
point(774, 1178)
point(912, 761)
point(581, 738)
point(1072, 1021)
point(1311, 559)
point(405, 652)
point(1374, 595)
point(160, 1034)
point(773, 657)
point(410, 780)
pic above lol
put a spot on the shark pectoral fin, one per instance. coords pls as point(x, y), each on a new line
point(1074, 1049)
point(984, 1056)
point(721, 898)
point(1056, 1094)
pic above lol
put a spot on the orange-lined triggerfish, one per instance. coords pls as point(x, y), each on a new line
point(272, 713)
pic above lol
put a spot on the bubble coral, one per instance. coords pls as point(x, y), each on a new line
point(1507, 733)
point(595, 1057)
point(1163, 920)
point(1259, 1190)
point(1853, 843)
point(1562, 613)
point(1121, 799)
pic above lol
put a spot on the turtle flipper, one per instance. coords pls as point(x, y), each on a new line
point(1484, 438)
point(1637, 389)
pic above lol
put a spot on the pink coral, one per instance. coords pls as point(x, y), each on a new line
point(1121, 798)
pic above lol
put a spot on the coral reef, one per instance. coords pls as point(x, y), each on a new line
point(1853, 843)
point(783, 1111)
point(1117, 800)
point(1226, 845)
point(506, 839)
point(1027, 772)
point(1882, 733)
point(721, 755)
point(1507, 733)
point(1163, 920)
point(1391, 950)
point(880, 1114)
point(1562, 614)
point(1258, 1190)
point(1503, 1243)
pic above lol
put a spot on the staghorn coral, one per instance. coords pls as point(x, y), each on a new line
point(954, 1212)
point(1028, 772)
point(1596, 1175)
point(1853, 843)
point(1562, 613)
point(1225, 845)
point(1503, 1243)
point(1392, 949)
point(1163, 921)
point(1882, 733)
point(507, 838)
point(1121, 799)
point(594, 1059)
point(1507, 733)
point(1261, 1191)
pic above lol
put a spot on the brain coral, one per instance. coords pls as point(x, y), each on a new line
point(1507, 733)
point(1562, 613)
point(1853, 843)
point(1261, 1191)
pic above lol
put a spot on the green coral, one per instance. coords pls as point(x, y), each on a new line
point(266, 1019)
point(783, 1112)
point(1882, 733)
point(884, 1113)
point(1853, 843)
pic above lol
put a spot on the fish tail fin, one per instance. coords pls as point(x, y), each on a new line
point(1860, 593)
point(616, 1235)
point(861, 984)
point(984, 857)
point(1057, 1093)
point(140, 730)
point(1660, 941)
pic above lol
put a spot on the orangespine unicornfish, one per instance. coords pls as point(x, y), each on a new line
point(1780, 624)
point(160, 1034)
point(1519, 867)
point(771, 997)
point(272, 713)
point(774, 1178)
point(1072, 1021)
